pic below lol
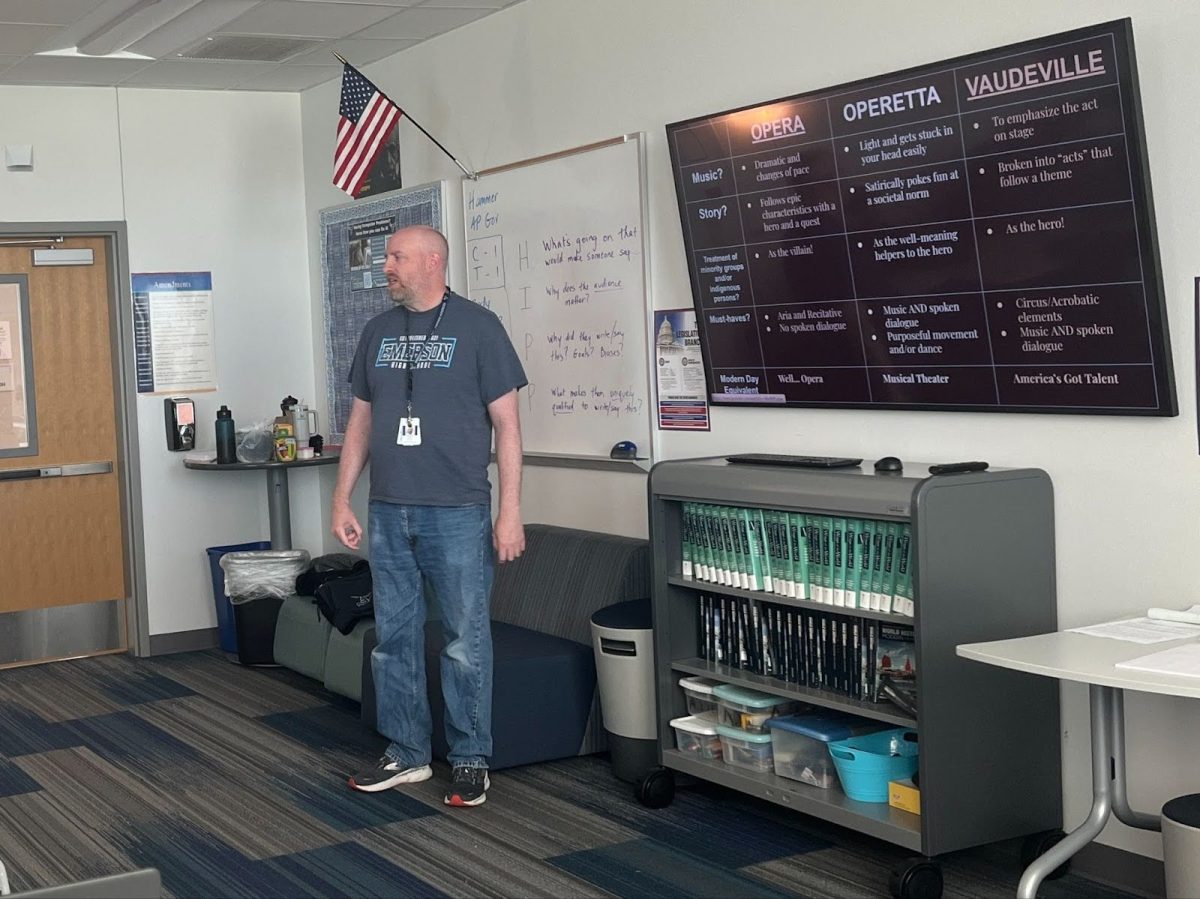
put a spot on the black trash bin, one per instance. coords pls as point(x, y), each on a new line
point(257, 583)
point(623, 642)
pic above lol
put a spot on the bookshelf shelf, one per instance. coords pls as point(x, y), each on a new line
point(877, 819)
point(776, 599)
point(879, 711)
point(982, 562)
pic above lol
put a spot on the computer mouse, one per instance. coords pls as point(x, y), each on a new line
point(889, 463)
point(625, 449)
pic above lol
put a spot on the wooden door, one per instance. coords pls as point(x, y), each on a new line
point(64, 588)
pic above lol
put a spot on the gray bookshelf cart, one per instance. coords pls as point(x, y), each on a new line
point(983, 569)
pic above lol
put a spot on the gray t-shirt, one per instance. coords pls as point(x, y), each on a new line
point(462, 365)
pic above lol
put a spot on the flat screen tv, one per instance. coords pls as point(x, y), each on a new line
point(974, 235)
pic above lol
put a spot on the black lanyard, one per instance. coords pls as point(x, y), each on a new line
point(408, 368)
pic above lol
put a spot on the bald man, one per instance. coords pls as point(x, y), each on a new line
point(431, 379)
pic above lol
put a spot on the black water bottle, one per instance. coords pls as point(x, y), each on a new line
point(226, 439)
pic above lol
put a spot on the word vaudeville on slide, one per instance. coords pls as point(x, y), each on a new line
point(1001, 81)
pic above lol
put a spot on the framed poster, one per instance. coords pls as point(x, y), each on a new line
point(353, 243)
point(18, 414)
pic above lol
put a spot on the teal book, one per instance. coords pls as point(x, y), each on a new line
point(877, 553)
point(687, 550)
point(904, 585)
point(838, 548)
point(850, 536)
point(798, 530)
point(866, 539)
point(754, 556)
point(890, 541)
point(826, 569)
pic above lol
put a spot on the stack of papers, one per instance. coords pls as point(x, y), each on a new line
point(1181, 660)
point(1140, 630)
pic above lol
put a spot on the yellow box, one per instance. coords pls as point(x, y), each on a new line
point(903, 794)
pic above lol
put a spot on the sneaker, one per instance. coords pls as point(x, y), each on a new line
point(468, 786)
point(387, 774)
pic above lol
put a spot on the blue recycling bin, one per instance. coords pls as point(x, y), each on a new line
point(226, 624)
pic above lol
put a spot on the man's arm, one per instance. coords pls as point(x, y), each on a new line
point(355, 448)
point(509, 534)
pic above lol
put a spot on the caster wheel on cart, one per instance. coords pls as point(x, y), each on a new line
point(656, 789)
point(916, 878)
point(1037, 845)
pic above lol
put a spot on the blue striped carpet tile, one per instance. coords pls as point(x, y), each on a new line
point(14, 781)
point(23, 732)
point(648, 869)
point(330, 800)
point(123, 737)
point(345, 869)
point(326, 730)
point(197, 863)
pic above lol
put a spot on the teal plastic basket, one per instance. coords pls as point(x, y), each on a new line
point(865, 763)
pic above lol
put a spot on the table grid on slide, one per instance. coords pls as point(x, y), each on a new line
point(942, 238)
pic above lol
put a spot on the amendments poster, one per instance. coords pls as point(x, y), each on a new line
point(173, 332)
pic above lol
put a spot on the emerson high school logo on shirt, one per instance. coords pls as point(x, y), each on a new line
point(400, 352)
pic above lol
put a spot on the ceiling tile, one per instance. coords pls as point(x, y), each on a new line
point(295, 19)
point(469, 4)
point(72, 70)
point(291, 77)
point(196, 73)
point(358, 52)
point(25, 38)
point(45, 12)
point(421, 23)
point(9, 59)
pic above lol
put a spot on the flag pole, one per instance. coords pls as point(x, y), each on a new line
point(436, 142)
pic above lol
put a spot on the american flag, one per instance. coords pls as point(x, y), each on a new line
point(367, 118)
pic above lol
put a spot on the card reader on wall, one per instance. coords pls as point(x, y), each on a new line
point(180, 414)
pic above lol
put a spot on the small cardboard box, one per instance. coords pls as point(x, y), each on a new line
point(904, 795)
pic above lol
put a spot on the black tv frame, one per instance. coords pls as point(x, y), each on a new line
point(1142, 198)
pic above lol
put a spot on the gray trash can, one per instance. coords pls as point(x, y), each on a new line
point(1181, 846)
point(623, 641)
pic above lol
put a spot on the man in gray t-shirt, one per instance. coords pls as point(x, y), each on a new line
point(431, 379)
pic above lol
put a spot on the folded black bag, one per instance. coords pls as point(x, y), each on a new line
point(325, 567)
point(344, 599)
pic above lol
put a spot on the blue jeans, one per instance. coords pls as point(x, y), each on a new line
point(451, 546)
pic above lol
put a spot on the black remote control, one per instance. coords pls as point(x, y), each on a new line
point(954, 467)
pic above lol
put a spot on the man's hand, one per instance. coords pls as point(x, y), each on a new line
point(508, 537)
point(346, 527)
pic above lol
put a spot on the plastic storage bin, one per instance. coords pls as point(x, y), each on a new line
point(697, 736)
point(745, 749)
point(700, 698)
point(800, 743)
point(226, 626)
point(867, 762)
point(749, 710)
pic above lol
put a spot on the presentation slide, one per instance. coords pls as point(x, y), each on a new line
point(976, 234)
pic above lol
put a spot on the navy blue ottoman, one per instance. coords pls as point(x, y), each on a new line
point(542, 693)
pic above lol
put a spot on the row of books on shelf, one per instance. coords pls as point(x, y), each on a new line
point(854, 563)
point(856, 657)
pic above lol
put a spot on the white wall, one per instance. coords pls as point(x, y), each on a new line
point(206, 181)
point(551, 74)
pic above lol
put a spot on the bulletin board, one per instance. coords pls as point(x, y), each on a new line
point(353, 241)
point(18, 417)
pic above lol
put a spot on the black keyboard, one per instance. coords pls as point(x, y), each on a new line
point(794, 461)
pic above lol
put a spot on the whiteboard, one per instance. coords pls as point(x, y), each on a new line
point(556, 247)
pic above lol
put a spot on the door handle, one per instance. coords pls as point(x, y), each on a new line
point(56, 471)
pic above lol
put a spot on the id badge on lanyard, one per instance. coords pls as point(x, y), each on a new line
point(409, 433)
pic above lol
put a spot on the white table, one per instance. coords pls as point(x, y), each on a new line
point(1092, 661)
